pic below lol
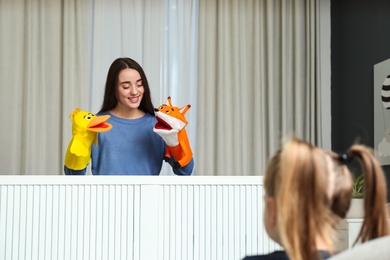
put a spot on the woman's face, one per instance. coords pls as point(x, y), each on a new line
point(130, 89)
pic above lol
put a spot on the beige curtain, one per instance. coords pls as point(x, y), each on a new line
point(55, 55)
point(43, 76)
point(258, 71)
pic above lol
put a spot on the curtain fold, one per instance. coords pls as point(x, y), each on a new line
point(55, 57)
point(42, 67)
point(249, 69)
point(257, 81)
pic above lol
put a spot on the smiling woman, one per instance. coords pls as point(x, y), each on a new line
point(131, 147)
point(59, 62)
point(162, 36)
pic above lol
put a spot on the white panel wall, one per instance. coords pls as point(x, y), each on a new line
point(131, 217)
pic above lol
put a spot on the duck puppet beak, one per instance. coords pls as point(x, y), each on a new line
point(99, 125)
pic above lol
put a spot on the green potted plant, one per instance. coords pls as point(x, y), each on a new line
point(356, 209)
point(357, 187)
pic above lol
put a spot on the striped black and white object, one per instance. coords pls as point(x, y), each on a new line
point(386, 92)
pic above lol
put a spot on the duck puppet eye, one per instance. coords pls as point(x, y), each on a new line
point(89, 116)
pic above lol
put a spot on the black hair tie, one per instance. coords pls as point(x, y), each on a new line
point(345, 158)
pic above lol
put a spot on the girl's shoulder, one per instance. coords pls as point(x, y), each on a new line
point(276, 255)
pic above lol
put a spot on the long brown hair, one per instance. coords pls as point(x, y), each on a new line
point(110, 99)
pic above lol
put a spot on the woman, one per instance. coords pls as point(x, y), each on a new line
point(130, 147)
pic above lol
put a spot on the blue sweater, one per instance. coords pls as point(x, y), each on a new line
point(130, 148)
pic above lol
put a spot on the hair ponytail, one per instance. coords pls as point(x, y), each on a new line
point(302, 199)
point(376, 222)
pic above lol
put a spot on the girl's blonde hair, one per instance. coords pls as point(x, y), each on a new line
point(296, 176)
point(312, 188)
point(376, 222)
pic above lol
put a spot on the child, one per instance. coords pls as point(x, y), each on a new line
point(308, 190)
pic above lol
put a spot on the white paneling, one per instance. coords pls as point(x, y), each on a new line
point(163, 217)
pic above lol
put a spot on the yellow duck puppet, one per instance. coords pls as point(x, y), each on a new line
point(85, 127)
point(170, 126)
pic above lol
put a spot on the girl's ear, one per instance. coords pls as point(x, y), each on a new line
point(271, 219)
point(272, 211)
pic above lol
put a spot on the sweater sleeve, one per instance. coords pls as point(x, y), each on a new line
point(185, 171)
point(68, 171)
